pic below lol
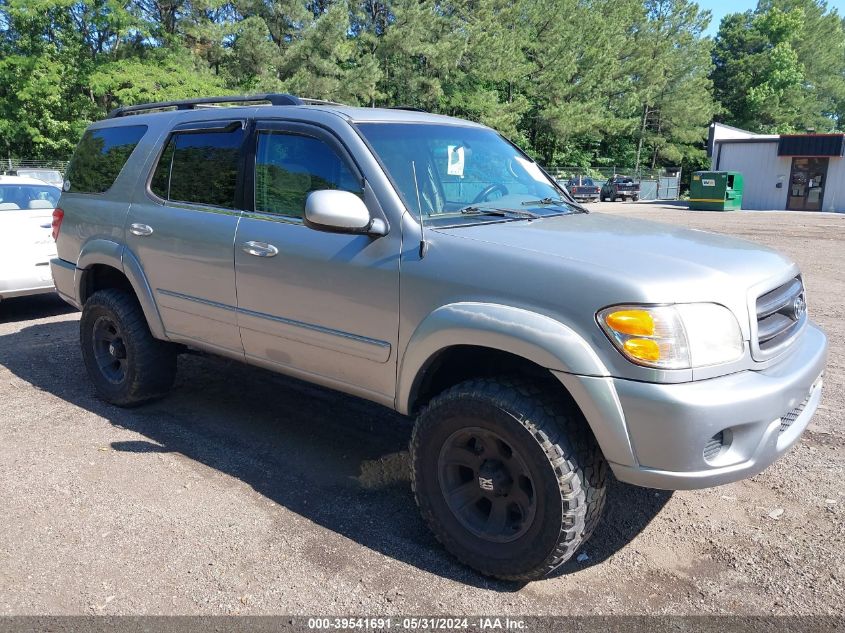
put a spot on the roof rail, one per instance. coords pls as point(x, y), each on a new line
point(310, 101)
point(409, 108)
point(190, 104)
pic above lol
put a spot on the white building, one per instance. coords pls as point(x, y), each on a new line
point(801, 172)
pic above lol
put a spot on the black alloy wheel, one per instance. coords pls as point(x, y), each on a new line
point(487, 485)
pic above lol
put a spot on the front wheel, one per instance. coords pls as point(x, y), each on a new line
point(508, 476)
point(126, 364)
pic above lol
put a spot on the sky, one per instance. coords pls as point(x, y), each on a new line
point(720, 8)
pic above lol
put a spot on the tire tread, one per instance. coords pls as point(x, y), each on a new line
point(154, 361)
point(564, 437)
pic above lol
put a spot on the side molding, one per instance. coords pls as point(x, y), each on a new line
point(536, 337)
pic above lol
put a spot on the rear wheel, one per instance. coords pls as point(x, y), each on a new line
point(126, 364)
point(507, 476)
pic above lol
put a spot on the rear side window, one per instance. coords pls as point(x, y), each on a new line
point(100, 156)
point(17, 197)
point(200, 168)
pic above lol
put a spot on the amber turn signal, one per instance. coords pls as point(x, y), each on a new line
point(633, 322)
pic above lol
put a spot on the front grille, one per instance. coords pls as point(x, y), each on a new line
point(714, 445)
point(790, 417)
point(780, 314)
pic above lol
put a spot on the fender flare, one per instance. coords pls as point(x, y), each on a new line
point(110, 253)
point(535, 337)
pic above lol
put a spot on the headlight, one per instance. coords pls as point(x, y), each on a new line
point(678, 336)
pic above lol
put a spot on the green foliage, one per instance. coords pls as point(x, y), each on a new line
point(781, 68)
point(574, 82)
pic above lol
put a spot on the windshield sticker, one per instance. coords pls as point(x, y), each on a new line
point(456, 161)
point(532, 168)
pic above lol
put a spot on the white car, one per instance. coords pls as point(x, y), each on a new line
point(50, 176)
point(26, 240)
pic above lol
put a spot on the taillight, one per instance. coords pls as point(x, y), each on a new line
point(58, 216)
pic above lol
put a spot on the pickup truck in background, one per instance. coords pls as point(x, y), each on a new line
point(583, 189)
point(618, 187)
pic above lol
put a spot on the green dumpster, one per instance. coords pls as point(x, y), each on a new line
point(715, 190)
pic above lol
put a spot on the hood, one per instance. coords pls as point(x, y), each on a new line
point(665, 263)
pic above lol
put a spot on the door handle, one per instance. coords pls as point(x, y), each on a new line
point(260, 249)
point(141, 230)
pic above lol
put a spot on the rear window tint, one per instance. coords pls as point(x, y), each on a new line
point(16, 197)
point(160, 182)
point(100, 156)
point(200, 168)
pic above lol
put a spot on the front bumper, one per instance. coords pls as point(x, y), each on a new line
point(670, 426)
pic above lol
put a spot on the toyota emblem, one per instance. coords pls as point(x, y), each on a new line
point(799, 307)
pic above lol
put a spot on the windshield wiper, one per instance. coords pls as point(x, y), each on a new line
point(554, 201)
point(502, 213)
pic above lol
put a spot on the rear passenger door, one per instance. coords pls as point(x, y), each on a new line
point(182, 231)
point(319, 305)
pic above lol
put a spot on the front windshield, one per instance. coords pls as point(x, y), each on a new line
point(442, 171)
point(14, 197)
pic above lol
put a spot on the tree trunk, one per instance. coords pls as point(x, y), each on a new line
point(642, 137)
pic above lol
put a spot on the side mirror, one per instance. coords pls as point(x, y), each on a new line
point(337, 211)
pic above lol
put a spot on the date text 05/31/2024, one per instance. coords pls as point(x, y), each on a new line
point(417, 624)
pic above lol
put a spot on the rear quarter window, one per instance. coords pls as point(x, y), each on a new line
point(100, 156)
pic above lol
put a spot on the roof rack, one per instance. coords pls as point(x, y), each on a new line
point(190, 104)
point(310, 101)
point(409, 108)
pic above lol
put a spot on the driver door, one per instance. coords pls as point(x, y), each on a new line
point(323, 306)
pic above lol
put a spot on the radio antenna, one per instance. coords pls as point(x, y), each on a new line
point(423, 243)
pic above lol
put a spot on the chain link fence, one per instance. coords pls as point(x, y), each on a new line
point(11, 164)
point(659, 184)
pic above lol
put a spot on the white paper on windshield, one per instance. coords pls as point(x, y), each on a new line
point(456, 161)
point(533, 169)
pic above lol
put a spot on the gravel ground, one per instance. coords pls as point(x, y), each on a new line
point(246, 492)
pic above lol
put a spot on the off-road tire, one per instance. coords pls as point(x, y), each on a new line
point(552, 438)
point(150, 364)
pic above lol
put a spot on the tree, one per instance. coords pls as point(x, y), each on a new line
point(325, 63)
point(781, 68)
point(675, 90)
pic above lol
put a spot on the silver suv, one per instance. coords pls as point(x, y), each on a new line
point(427, 264)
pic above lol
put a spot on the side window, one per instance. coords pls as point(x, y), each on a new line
point(201, 168)
point(160, 183)
point(100, 156)
point(290, 166)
